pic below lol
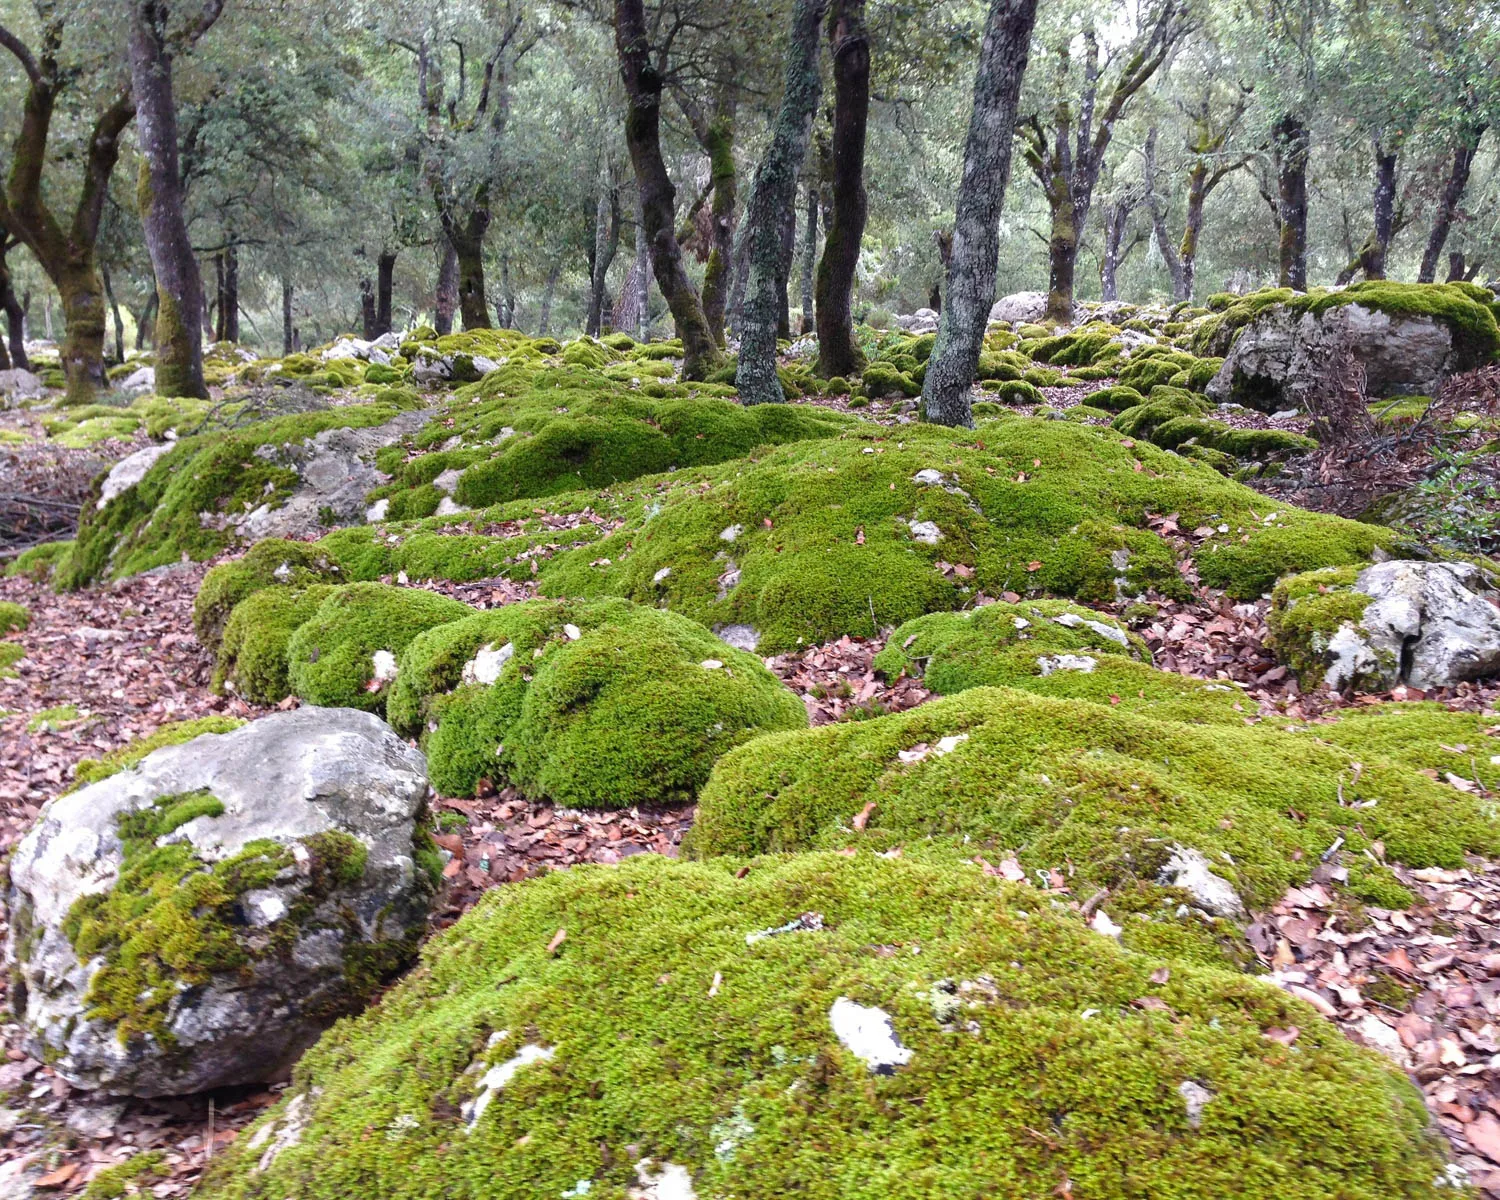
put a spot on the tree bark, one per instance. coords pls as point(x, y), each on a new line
point(1116, 222)
point(643, 89)
point(468, 245)
point(849, 45)
point(772, 201)
point(385, 276)
point(367, 310)
point(288, 333)
point(445, 295)
point(1453, 191)
point(607, 220)
point(179, 346)
point(114, 308)
point(545, 320)
point(809, 258)
point(145, 323)
point(720, 147)
point(14, 313)
point(1293, 143)
point(231, 302)
point(976, 226)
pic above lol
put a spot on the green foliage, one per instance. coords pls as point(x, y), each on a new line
point(38, 563)
point(331, 656)
point(14, 618)
point(1018, 1020)
point(92, 770)
point(634, 709)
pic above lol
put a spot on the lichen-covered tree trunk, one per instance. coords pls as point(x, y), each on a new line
point(1116, 221)
point(1062, 261)
point(849, 45)
point(145, 322)
point(114, 309)
point(230, 302)
point(179, 346)
point(82, 295)
point(719, 142)
point(1453, 191)
point(468, 245)
point(1293, 141)
point(809, 257)
point(773, 197)
point(606, 246)
point(385, 278)
point(1185, 278)
point(643, 89)
point(288, 331)
point(367, 310)
point(976, 223)
point(445, 294)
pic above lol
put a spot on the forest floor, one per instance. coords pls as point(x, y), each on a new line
point(111, 664)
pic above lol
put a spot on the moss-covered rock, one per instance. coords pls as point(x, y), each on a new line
point(345, 654)
point(1055, 649)
point(252, 656)
point(1014, 391)
point(669, 1039)
point(270, 563)
point(1109, 793)
point(174, 733)
point(1116, 399)
point(1163, 405)
point(14, 618)
point(38, 563)
point(590, 705)
point(1309, 615)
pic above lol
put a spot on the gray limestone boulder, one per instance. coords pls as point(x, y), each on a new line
point(197, 920)
point(20, 384)
point(1020, 308)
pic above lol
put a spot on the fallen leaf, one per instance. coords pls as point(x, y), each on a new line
point(558, 939)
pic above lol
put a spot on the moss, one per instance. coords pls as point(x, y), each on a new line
point(330, 657)
point(50, 720)
point(633, 710)
point(1115, 399)
point(252, 657)
point(1142, 420)
point(1015, 645)
point(1306, 611)
point(268, 563)
point(883, 379)
point(92, 770)
point(1424, 735)
point(1014, 391)
point(1105, 791)
point(129, 1178)
point(1196, 378)
point(14, 618)
point(1044, 377)
point(10, 654)
point(1154, 366)
point(1086, 412)
point(1032, 1057)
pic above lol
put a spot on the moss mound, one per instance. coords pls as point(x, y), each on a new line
point(38, 563)
point(252, 658)
point(14, 618)
point(1307, 610)
point(591, 705)
point(662, 1030)
point(844, 536)
point(344, 654)
point(1108, 793)
point(92, 770)
point(268, 563)
point(1052, 648)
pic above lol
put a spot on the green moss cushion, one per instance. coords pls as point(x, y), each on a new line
point(344, 655)
point(591, 705)
point(997, 771)
point(14, 618)
point(1055, 649)
point(269, 563)
point(252, 658)
point(670, 1041)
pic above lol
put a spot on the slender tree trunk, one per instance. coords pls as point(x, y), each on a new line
point(643, 89)
point(1447, 211)
point(1185, 278)
point(1062, 261)
point(385, 275)
point(232, 294)
point(506, 309)
point(1116, 220)
point(726, 184)
point(445, 296)
point(606, 246)
point(367, 310)
point(114, 308)
point(784, 264)
point(218, 306)
point(179, 347)
point(849, 44)
point(288, 333)
point(545, 321)
point(15, 314)
point(809, 257)
point(1293, 143)
point(145, 323)
point(773, 199)
point(976, 226)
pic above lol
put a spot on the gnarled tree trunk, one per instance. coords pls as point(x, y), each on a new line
point(11, 307)
point(849, 44)
point(643, 89)
point(772, 201)
point(976, 222)
point(1453, 191)
point(445, 295)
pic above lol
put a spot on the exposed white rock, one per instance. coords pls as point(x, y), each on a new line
point(487, 663)
point(384, 667)
point(669, 1182)
point(730, 533)
point(496, 1078)
point(128, 472)
point(711, 664)
point(142, 379)
point(925, 532)
point(377, 511)
point(1113, 632)
point(1191, 871)
point(660, 575)
point(572, 632)
point(20, 384)
point(869, 1034)
point(741, 637)
point(928, 475)
point(1101, 924)
point(1020, 307)
point(1048, 663)
point(1195, 1097)
point(947, 745)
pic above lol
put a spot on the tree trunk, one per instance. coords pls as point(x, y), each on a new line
point(809, 258)
point(14, 313)
point(643, 89)
point(114, 308)
point(726, 185)
point(232, 294)
point(468, 245)
point(545, 320)
point(773, 199)
point(1116, 220)
point(288, 333)
point(83, 337)
point(1293, 142)
point(1185, 277)
point(385, 274)
point(784, 263)
point(1383, 202)
point(976, 225)
point(366, 310)
point(506, 309)
point(218, 307)
point(1453, 191)
point(179, 347)
point(445, 295)
point(849, 44)
point(606, 246)
point(146, 322)
point(1062, 262)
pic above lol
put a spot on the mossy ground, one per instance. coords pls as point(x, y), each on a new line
point(633, 710)
point(269, 563)
point(1016, 645)
point(14, 618)
point(674, 1040)
point(1104, 791)
point(252, 658)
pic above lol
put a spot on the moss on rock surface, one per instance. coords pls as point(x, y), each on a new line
point(345, 654)
point(1307, 612)
point(1055, 649)
point(14, 618)
point(666, 1029)
point(252, 658)
point(92, 770)
point(270, 563)
point(591, 705)
point(997, 771)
